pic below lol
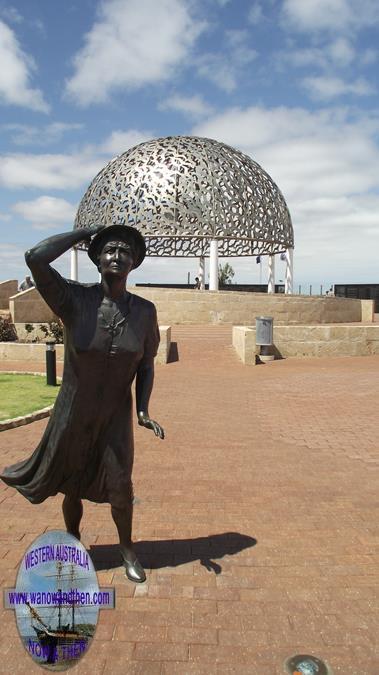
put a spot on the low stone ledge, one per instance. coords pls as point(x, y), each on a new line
point(29, 351)
point(24, 351)
point(26, 419)
point(310, 341)
point(368, 309)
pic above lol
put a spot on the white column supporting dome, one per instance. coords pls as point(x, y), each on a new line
point(271, 274)
point(74, 264)
point(202, 272)
point(288, 288)
point(213, 266)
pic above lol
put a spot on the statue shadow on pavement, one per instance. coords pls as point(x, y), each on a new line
point(174, 552)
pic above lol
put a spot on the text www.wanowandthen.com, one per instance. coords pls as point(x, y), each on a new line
point(59, 598)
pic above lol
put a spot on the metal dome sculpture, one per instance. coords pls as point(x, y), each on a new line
point(181, 192)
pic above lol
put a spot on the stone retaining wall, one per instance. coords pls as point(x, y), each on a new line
point(29, 307)
point(21, 351)
point(176, 306)
point(7, 289)
point(217, 307)
point(300, 341)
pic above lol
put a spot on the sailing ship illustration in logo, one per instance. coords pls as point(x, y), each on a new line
point(57, 592)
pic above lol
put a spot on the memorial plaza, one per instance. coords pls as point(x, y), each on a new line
point(256, 519)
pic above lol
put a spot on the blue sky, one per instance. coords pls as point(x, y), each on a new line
point(292, 83)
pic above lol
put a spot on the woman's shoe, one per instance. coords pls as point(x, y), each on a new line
point(134, 571)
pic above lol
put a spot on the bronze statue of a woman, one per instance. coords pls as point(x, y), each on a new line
point(111, 337)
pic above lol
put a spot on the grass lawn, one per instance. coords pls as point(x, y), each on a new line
point(22, 394)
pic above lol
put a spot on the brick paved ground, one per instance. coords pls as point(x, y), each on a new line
point(257, 520)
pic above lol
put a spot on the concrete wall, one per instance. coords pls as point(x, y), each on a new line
point(212, 307)
point(7, 289)
point(300, 341)
point(176, 306)
point(20, 351)
point(164, 345)
point(29, 307)
point(368, 309)
point(17, 351)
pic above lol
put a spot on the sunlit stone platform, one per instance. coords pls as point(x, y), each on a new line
point(322, 340)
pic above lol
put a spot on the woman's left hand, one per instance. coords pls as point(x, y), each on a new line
point(145, 421)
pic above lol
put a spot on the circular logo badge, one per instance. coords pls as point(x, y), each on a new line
point(56, 600)
point(304, 664)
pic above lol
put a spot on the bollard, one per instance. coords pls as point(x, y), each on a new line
point(51, 368)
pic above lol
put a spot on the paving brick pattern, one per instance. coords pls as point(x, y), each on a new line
point(256, 518)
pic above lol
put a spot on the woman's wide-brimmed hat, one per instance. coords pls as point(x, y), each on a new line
point(123, 232)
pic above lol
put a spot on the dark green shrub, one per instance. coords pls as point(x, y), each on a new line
point(54, 330)
point(7, 330)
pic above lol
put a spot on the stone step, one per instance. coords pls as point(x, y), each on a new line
point(205, 335)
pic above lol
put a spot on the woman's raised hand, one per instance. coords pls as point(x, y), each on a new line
point(89, 232)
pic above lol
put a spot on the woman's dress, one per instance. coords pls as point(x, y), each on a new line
point(87, 448)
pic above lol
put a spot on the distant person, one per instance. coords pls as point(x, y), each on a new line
point(197, 285)
point(27, 283)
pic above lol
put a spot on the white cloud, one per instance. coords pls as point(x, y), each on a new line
point(303, 57)
point(255, 14)
point(219, 70)
point(327, 88)
point(64, 171)
point(338, 53)
point(11, 261)
point(330, 15)
point(369, 56)
point(193, 106)
point(46, 212)
point(241, 52)
point(45, 171)
point(224, 68)
point(120, 141)
point(312, 154)
point(11, 14)
point(38, 24)
point(133, 43)
point(327, 165)
point(15, 74)
point(24, 134)
point(342, 52)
